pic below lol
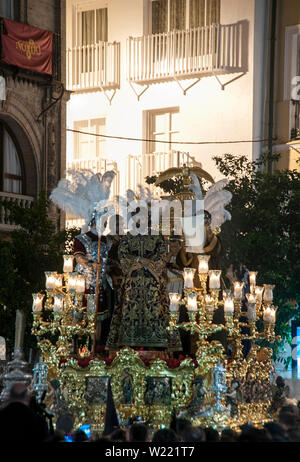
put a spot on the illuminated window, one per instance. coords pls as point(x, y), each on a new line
point(168, 15)
point(87, 146)
point(11, 166)
point(90, 24)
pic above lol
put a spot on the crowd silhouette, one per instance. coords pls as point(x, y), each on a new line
point(23, 419)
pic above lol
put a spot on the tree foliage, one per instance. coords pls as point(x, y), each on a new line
point(29, 251)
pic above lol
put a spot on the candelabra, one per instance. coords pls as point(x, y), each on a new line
point(202, 302)
point(63, 312)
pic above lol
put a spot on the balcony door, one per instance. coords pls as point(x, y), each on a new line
point(89, 34)
point(89, 148)
point(169, 15)
point(163, 125)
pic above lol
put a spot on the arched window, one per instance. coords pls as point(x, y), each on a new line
point(11, 165)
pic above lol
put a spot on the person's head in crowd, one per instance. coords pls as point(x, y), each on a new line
point(18, 393)
point(254, 435)
point(293, 435)
point(80, 436)
point(288, 420)
point(118, 435)
point(64, 424)
point(165, 435)
point(289, 409)
point(180, 426)
point(194, 435)
point(211, 434)
point(138, 432)
point(228, 436)
point(275, 431)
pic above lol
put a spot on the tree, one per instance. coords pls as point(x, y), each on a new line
point(264, 231)
point(25, 255)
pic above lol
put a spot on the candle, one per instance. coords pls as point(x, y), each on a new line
point(188, 275)
point(174, 301)
point(238, 290)
point(252, 277)
point(214, 279)
point(80, 284)
point(37, 304)
point(68, 263)
point(268, 293)
point(58, 303)
point(258, 293)
point(192, 302)
point(72, 281)
point(91, 303)
point(19, 329)
point(203, 264)
point(50, 279)
point(209, 302)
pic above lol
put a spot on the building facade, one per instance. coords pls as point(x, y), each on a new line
point(32, 105)
point(161, 77)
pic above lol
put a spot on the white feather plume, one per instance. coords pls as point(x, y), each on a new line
point(82, 192)
point(215, 201)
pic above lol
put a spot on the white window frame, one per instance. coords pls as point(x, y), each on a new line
point(97, 139)
point(292, 41)
point(82, 7)
point(150, 127)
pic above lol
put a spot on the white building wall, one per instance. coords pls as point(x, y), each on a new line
point(207, 113)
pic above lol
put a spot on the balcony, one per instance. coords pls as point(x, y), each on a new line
point(93, 67)
point(6, 223)
point(186, 54)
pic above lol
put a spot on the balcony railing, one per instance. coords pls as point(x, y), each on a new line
point(6, 222)
point(185, 53)
point(93, 66)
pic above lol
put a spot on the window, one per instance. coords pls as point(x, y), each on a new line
point(87, 146)
point(168, 15)
point(90, 25)
point(292, 78)
point(11, 166)
point(163, 126)
point(7, 9)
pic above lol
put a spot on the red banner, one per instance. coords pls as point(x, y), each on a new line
point(27, 47)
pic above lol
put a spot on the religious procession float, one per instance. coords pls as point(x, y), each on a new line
point(148, 316)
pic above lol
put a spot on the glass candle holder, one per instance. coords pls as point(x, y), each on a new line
point(268, 293)
point(68, 263)
point(209, 302)
point(269, 315)
point(174, 301)
point(238, 290)
point(203, 264)
point(188, 276)
point(258, 291)
point(58, 304)
point(214, 279)
point(251, 311)
point(58, 281)
point(50, 279)
point(37, 304)
point(228, 305)
point(72, 281)
point(192, 302)
point(252, 277)
point(251, 298)
point(80, 284)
